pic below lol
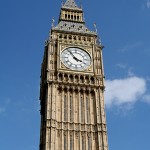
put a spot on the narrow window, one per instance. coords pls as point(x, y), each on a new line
point(87, 109)
point(60, 36)
point(82, 142)
point(89, 143)
point(65, 36)
point(66, 16)
point(65, 142)
point(65, 108)
point(70, 37)
point(71, 109)
point(71, 142)
point(82, 110)
point(79, 38)
point(79, 142)
point(74, 37)
point(84, 39)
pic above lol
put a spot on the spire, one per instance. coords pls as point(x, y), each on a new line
point(70, 4)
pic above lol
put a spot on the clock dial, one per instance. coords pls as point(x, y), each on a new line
point(75, 58)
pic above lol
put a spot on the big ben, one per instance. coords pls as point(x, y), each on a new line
point(72, 86)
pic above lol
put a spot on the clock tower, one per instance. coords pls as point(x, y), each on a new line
point(72, 86)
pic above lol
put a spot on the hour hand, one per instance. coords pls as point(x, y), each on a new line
point(77, 59)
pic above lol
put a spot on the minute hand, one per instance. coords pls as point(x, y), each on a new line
point(74, 57)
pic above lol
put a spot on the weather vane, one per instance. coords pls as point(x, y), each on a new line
point(95, 27)
point(62, 2)
point(98, 38)
point(81, 4)
point(53, 21)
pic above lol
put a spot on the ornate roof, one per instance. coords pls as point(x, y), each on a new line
point(70, 4)
point(73, 27)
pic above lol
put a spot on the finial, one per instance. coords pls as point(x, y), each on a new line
point(62, 2)
point(98, 38)
point(81, 4)
point(99, 42)
point(83, 17)
point(95, 27)
point(53, 21)
point(70, 4)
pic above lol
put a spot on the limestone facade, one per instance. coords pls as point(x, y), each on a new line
point(72, 102)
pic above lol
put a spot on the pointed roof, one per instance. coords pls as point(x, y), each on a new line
point(70, 25)
point(73, 27)
point(70, 4)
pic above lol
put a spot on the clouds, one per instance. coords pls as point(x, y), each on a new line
point(130, 47)
point(148, 3)
point(125, 91)
point(121, 65)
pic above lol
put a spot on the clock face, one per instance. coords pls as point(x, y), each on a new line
point(75, 58)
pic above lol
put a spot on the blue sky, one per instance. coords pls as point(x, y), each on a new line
point(124, 28)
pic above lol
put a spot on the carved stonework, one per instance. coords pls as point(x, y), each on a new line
point(72, 100)
point(77, 127)
point(59, 133)
point(77, 134)
point(62, 65)
point(59, 125)
point(71, 126)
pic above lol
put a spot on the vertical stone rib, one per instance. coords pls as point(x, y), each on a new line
point(84, 106)
point(90, 108)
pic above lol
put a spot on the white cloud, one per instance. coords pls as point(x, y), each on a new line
point(130, 47)
point(121, 65)
point(124, 91)
point(148, 3)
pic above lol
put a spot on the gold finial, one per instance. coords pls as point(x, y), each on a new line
point(98, 38)
point(62, 2)
point(53, 21)
point(95, 27)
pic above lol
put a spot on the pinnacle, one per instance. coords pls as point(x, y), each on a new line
point(70, 4)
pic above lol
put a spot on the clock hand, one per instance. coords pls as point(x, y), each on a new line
point(71, 53)
point(74, 57)
point(79, 60)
